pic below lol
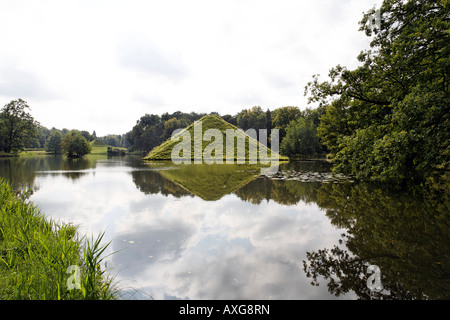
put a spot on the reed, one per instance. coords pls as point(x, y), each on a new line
point(36, 253)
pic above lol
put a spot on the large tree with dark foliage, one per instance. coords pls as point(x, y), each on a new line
point(17, 126)
point(389, 119)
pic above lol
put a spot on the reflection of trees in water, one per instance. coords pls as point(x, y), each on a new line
point(152, 182)
point(287, 192)
point(17, 173)
point(407, 237)
point(307, 166)
point(75, 169)
point(21, 172)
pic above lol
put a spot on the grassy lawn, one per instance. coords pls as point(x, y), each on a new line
point(99, 147)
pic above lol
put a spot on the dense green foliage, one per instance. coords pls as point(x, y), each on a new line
point(54, 142)
point(75, 145)
point(301, 138)
point(17, 126)
point(281, 118)
point(152, 130)
point(35, 254)
point(389, 119)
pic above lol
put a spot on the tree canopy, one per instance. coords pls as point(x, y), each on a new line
point(389, 119)
point(301, 138)
point(17, 126)
point(54, 142)
point(75, 144)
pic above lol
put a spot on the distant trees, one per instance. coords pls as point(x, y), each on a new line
point(75, 145)
point(282, 116)
point(151, 130)
point(17, 126)
point(146, 134)
point(54, 142)
point(301, 139)
point(254, 118)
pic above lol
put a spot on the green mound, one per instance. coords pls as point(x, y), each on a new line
point(98, 143)
point(164, 150)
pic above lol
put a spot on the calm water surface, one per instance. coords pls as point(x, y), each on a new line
point(224, 232)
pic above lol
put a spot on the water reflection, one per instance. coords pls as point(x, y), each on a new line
point(21, 171)
point(209, 182)
point(216, 232)
point(408, 237)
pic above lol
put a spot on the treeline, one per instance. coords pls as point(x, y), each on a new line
point(20, 131)
point(297, 129)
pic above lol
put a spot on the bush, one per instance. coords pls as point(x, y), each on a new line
point(75, 145)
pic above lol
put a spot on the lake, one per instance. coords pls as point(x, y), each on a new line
point(225, 232)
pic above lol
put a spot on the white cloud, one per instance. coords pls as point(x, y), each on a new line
point(23, 83)
point(96, 57)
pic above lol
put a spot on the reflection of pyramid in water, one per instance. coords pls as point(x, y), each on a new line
point(211, 182)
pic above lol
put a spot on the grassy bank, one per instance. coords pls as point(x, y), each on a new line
point(99, 147)
point(36, 253)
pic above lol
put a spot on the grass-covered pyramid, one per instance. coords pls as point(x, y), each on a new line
point(164, 151)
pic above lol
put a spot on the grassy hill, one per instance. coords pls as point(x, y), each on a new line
point(164, 150)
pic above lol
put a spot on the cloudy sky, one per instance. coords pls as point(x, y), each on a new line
point(101, 65)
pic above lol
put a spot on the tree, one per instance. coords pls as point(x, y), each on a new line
point(17, 126)
point(268, 120)
point(301, 139)
point(253, 118)
point(230, 119)
point(170, 126)
point(112, 140)
point(75, 145)
point(87, 135)
point(54, 142)
point(282, 116)
point(388, 120)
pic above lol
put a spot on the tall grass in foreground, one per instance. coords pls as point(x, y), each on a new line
point(35, 255)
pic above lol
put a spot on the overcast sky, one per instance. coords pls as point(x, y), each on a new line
point(101, 65)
